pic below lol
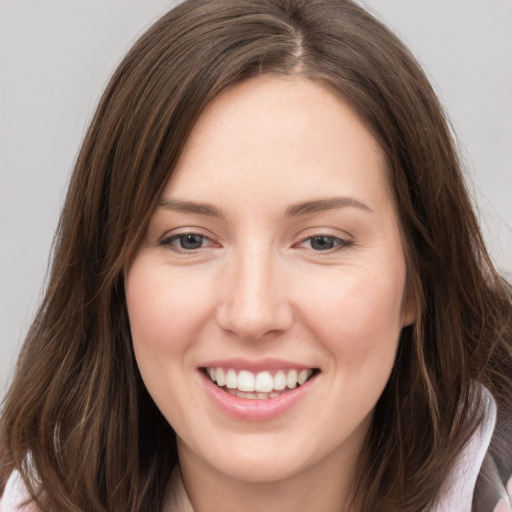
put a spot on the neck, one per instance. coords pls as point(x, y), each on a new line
point(320, 488)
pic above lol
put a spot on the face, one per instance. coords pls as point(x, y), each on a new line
point(267, 299)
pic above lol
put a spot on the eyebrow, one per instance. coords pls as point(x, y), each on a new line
point(295, 210)
point(321, 205)
point(190, 207)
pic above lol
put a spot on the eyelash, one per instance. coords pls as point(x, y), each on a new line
point(169, 242)
point(338, 243)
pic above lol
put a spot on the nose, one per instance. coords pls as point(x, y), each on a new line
point(254, 300)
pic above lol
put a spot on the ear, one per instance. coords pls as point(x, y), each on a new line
point(409, 305)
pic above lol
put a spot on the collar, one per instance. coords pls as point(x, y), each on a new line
point(457, 493)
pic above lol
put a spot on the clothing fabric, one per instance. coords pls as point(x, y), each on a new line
point(457, 494)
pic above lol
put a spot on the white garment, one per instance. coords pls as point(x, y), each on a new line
point(457, 495)
point(15, 494)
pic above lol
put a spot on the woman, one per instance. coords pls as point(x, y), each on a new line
point(269, 290)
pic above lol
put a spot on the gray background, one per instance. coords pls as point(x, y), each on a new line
point(56, 56)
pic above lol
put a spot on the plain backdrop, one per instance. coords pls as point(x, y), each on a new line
point(57, 55)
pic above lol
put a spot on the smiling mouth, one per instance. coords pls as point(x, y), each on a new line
point(261, 385)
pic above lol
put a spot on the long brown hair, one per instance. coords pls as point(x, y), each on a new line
point(78, 421)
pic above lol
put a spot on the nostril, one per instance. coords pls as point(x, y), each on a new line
point(252, 321)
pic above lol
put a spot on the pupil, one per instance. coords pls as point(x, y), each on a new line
point(191, 241)
point(322, 243)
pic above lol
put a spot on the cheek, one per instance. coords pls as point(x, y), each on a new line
point(359, 318)
point(360, 327)
point(165, 315)
point(164, 312)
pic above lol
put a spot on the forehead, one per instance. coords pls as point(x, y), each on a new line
point(282, 138)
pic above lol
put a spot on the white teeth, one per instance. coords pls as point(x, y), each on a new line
point(264, 382)
point(245, 381)
point(291, 379)
point(221, 379)
point(302, 377)
point(279, 380)
point(231, 379)
point(248, 396)
point(262, 385)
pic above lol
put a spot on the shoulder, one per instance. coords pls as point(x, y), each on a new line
point(457, 495)
point(15, 496)
point(505, 502)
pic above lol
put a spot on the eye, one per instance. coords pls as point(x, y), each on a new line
point(185, 242)
point(325, 243)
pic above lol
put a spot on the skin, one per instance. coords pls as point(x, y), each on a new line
point(258, 287)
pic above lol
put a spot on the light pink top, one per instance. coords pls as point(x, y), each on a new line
point(457, 495)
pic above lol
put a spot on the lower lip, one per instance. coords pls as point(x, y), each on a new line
point(255, 410)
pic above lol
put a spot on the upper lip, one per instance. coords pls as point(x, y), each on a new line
point(253, 365)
